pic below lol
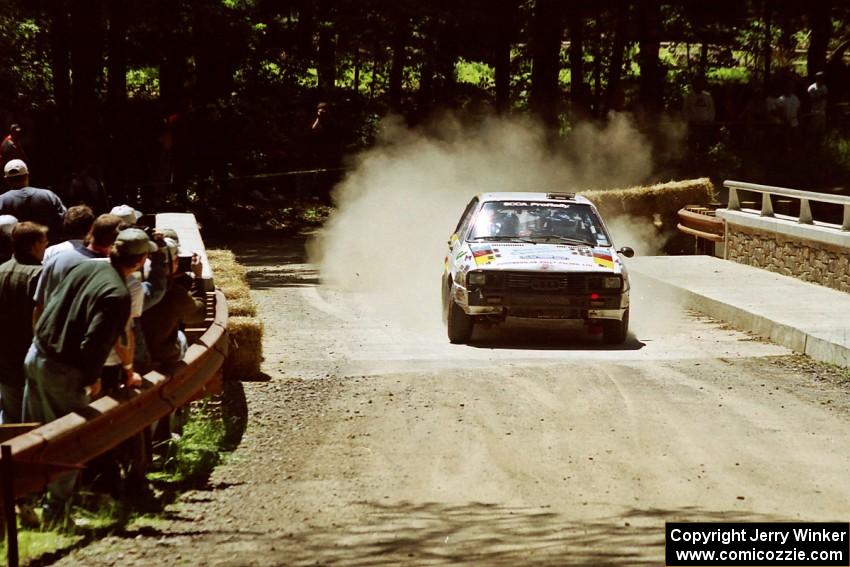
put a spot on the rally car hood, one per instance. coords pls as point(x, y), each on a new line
point(540, 257)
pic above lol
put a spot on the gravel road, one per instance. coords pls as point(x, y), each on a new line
point(374, 444)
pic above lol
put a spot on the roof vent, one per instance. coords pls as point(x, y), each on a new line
point(561, 196)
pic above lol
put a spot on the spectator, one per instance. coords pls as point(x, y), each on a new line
point(82, 321)
point(85, 189)
point(183, 304)
point(11, 147)
point(698, 109)
point(818, 94)
point(7, 223)
point(76, 225)
point(97, 245)
point(18, 277)
point(144, 295)
point(788, 109)
point(27, 203)
point(127, 213)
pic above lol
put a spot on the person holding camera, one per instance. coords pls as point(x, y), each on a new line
point(183, 304)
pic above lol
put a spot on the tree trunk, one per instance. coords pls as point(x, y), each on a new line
point(172, 66)
point(502, 53)
point(60, 64)
point(60, 56)
point(116, 96)
point(86, 64)
point(651, 80)
point(326, 65)
point(614, 96)
point(821, 22)
point(767, 9)
point(399, 45)
point(578, 93)
point(117, 50)
point(547, 27)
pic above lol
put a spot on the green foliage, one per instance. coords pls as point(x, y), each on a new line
point(143, 83)
point(740, 75)
point(475, 73)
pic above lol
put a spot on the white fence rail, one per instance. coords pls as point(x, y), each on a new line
point(805, 197)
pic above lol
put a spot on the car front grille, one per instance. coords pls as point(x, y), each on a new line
point(569, 283)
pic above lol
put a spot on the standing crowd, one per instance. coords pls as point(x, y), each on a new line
point(89, 303)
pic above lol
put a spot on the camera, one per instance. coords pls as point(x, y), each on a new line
point(184, 263)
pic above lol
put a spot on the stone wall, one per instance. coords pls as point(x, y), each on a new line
point(823, 263)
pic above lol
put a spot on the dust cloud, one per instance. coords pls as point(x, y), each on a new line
point(396, 209)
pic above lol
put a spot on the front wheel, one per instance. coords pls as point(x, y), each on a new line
point(459, 324)
point(615, 332)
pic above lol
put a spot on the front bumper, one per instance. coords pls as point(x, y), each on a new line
point(506, 303)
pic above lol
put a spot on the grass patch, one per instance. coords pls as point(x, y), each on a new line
point(198, 449)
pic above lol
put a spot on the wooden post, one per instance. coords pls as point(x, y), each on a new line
point(7, 472)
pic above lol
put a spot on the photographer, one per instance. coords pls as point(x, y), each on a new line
point(183, 304)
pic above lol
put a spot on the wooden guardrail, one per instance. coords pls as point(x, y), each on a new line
point(702, 223)
point(41, 454)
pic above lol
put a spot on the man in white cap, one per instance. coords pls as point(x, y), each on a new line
point(127, 213)
point(27, 203)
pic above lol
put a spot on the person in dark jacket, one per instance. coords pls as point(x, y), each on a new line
point(18, 277)
point(183, 304)
point(82, 321)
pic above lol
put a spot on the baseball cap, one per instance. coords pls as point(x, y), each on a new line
point(127, 213)
point(15, 168)
point(132, 242)
point(170, 233)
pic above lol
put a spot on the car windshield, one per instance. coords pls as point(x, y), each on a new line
point(539, 221)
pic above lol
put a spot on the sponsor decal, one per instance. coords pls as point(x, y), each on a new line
point(483, 254)
point(602, 257)
point(546, 204)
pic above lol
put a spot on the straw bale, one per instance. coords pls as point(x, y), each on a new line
point(246, 349)
point(664, 198)
point(245, 330)
point(241, 307)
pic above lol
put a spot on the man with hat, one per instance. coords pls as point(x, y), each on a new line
point(11, 146)
point(127, 213)
point(82, 321)
point(27, 203)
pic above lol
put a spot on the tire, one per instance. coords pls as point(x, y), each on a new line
point(615, 332)
point(459, 324)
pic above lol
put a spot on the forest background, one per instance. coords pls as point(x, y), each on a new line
point(178, 98)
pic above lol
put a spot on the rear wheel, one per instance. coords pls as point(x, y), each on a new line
point(459, 324)
point(615, 332)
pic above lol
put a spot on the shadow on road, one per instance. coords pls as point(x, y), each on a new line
point(541, 338)
point(492, 534)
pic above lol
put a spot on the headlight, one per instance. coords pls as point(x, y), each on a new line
point(476, 278)
point(614, 282)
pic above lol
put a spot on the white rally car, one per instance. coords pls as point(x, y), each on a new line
point(534, 256)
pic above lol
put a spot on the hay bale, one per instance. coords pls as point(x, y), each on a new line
point(245, 330)
point(241, 307)
point(663, 199)
point(246, 347)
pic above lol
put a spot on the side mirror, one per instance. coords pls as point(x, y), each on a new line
point(626, 251)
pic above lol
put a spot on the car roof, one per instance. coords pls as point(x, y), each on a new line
point(534, 196)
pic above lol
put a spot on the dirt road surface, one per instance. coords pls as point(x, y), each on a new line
point(371, 444)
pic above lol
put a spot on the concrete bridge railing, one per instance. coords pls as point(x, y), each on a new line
point(781, 233)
